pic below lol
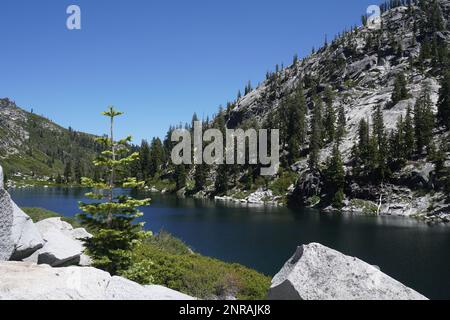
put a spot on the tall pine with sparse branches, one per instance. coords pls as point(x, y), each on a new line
point(111, 215)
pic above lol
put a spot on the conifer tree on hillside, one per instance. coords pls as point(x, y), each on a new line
point(444, 101)
point(221, 184)
point(144, 160)
point(408, 133)
point(157, 157)
point(378, 126)
point(341, 124)
point(396, 145)
point(180, 176)
point(360, 151)
point(296, 124)
point(335, 178)
point(112, 218)
point(330, 116)
point(200, 176)
point(68, 171)
point(423, 121)
point(400, 91)
point(78, 171)
point(316, 139)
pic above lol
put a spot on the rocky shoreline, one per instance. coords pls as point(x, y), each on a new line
point(46, 261)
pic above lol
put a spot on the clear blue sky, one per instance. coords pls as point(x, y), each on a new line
point(158, 61)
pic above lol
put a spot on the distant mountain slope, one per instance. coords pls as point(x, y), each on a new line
point(360, 67)
point(360, 85)
point(33, 145)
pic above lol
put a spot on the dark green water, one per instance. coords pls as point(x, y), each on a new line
point(264, 238)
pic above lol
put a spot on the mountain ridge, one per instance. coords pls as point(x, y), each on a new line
point(33, 145)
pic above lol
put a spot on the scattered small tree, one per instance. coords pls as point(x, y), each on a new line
point(444, 101)
point(424, 121)
point(112, 216)
point(335, 178)
point(400, 91)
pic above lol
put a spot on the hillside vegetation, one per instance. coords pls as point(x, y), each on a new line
point(33, 146)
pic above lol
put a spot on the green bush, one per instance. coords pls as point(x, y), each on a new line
point(367, 207)
point(165, 241)
point(162, 261)
point(281, 185)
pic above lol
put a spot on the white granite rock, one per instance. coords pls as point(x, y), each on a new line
point(316, 272)
point(60, 248)
point(19, 237)
point(123, 289)
point(26, 236)
point(27, 281)
point(6, 223)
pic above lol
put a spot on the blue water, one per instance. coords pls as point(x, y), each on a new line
point(412, 252)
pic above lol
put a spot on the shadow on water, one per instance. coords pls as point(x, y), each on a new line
point(265, 237)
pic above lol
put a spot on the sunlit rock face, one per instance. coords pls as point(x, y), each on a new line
point(28, 281)
point(316, 272)
point(19, 237)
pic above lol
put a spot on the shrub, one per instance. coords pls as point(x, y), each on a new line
point(281, 185)
point(162, 261)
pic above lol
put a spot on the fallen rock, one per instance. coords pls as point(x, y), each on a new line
point(26, 237)
point(19, 237)
point(316, 272)
point(60, 248)
point(27, 281)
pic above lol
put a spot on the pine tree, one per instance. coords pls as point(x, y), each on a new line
point(180, 176)
point(221, 184)
point(400, 91)
point(157, 157)
point(330, 116)
point(396, 147)
point(341, 124)
point(335, 178)
point(112, 218)
point(144, 160)
point(78, 171)
point(296, 124)
point(378, 126)
point(408, 134)
point(67, 172)
point(380, 139)
point(424, 121)
point(200, 177)
point(316, 139)
point(360, 152)
point(444, 102)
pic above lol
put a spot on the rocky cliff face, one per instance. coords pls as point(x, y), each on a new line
point(361, 67)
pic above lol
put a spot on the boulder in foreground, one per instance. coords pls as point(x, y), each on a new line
point(316, 272)
point(63, 244)
point(28, 281)
point(19, 237)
